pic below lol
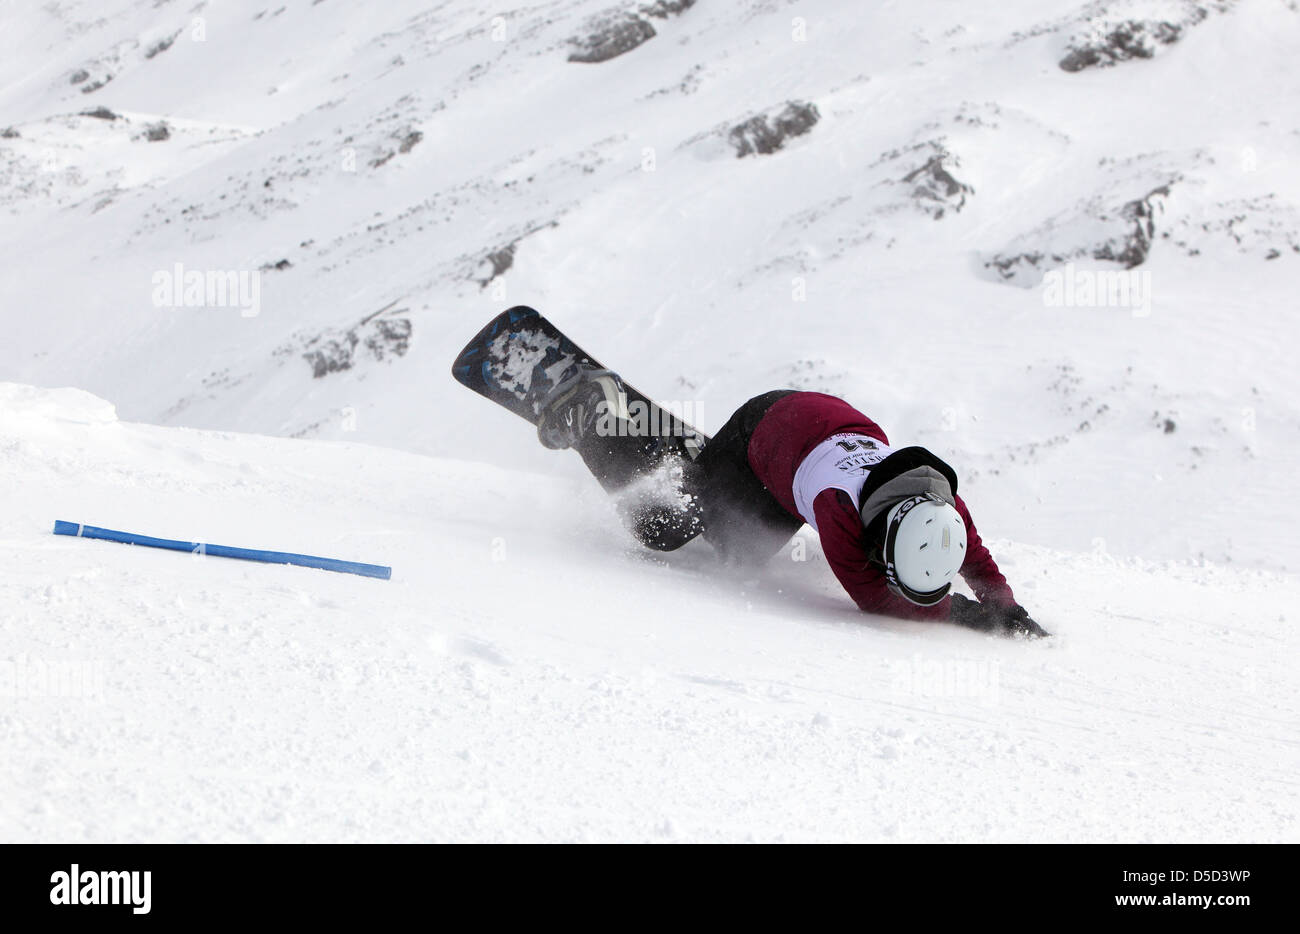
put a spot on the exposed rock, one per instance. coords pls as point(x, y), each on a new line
point(390, 336)
point(332, 355)
point(1122, 236)
point(101, 113)
point(405, 144)
point(96, 85)
point(1132, 248)
point(1026, 268)
point(281, 265)
point(8, 133)
point(380, 337)
point(662, 9)
point(1107, 41)
point(766, 133)
point(79, 76)
point(499, 261)
point(611, 34)
point(157, 132)
point(162, 45)
point(935, 188)
point(689, 84)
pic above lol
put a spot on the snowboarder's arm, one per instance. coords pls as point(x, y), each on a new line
point(989, 617)
point(979, 569)
point(841, 533)
point(997, 609)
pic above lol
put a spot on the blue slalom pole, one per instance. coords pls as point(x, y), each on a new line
point(224, 551)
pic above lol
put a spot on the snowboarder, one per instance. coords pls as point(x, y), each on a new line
point(891, 524)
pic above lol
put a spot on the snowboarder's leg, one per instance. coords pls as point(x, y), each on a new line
point(647, 477)
point(661, 516)
point(642, 462)
point(741, 519)
point(665, 496)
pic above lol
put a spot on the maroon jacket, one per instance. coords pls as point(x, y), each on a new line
point(792, 427)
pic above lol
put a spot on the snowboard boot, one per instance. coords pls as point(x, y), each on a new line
point(570, 411)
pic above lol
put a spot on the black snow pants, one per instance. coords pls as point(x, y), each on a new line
point(716, 494)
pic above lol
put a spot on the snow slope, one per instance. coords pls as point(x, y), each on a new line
point(531, 677)
point(392, 174)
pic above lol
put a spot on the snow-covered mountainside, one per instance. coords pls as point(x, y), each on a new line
point(1056, 242)
point(395, 173)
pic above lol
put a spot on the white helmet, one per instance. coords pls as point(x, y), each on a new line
point(925, 545)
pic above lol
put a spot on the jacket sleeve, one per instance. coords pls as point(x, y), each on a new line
point(979, 569)
point(842, 538)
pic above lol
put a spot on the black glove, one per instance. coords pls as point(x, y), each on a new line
point(1016, 621)
point(973, 615)
point(986, 617)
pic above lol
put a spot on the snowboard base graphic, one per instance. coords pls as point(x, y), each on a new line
point(519, 357)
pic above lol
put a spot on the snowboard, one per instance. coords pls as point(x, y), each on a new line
point(519, 357)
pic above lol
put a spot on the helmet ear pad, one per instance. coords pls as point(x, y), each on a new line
point(924, 547)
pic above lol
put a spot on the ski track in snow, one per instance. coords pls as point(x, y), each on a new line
point(520, 679)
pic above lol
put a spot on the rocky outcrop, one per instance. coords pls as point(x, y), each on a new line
point(1124, 236)
point(662, 9)
point(498, 262)
point(935, 188)
point(609, 36)
point(405, 143)
point(96, 85)
point(409, 141)
point(1108, 37)
point(766, 133)
point(619, 31)
point(932, 183)
point(1131, 247)
point(162, 45)
point(379, 336)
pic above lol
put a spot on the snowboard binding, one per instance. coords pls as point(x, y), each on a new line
point(568, 414)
